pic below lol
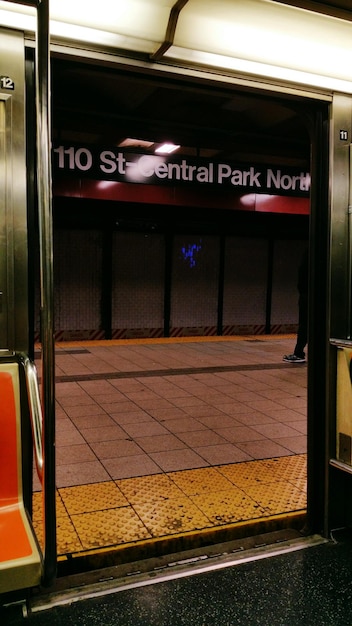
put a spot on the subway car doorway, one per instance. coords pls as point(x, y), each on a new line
point(181, 211)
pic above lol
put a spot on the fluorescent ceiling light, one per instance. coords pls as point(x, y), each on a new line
point(144, 19)
point(267, 32)
point(167, 148)
point(257, 37)
point(266, 38)
point(256, 68)
point(135, 143)
point(137, 25)
point(21, 17)
point(83, 34)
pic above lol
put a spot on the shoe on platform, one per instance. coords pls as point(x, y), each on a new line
point(293, 358)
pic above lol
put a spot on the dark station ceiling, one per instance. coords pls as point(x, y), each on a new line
point(105, 106)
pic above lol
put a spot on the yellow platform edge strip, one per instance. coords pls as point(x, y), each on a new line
point(164, 340)
point(285, 508)
point(161, 546)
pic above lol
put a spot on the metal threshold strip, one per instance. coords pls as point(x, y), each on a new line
point(191, 563)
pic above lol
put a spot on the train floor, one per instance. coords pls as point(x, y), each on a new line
point(165, 445)
point(297, 583)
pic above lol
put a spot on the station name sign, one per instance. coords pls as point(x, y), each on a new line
point(115, 164)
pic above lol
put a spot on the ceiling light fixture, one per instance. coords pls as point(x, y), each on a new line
point(130, 142)
point(166, 148)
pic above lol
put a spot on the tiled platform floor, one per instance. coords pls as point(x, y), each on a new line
point(164, 437)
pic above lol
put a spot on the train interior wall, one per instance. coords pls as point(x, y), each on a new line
point(129, 272)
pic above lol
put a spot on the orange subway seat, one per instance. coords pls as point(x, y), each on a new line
point(14, 538)
point(20, 560)
point(8, 442)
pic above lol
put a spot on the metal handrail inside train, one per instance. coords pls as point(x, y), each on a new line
point(35, 412)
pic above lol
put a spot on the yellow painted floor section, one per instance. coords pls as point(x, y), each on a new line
point(132, 512)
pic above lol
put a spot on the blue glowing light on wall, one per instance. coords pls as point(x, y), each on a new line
point(189, 253)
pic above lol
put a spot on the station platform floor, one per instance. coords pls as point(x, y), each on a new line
point(168, 444)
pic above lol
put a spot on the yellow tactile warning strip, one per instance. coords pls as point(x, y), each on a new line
point(132, 512)
point(64, 345)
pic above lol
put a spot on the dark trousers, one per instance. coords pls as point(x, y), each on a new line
point(302, 335)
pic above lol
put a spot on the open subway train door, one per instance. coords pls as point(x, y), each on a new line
point(339, 436)
point(26, 561)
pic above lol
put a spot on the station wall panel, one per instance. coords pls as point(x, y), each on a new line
point(194, 284)
point(141, 278)
point(284, 303)
point(245, 283)
point(138, 261)
point(78, 278)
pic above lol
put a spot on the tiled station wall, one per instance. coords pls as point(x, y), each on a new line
point(245, 284)
point(77, 279)
point(138, 285)
point(137, 282)
point(194, 284)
